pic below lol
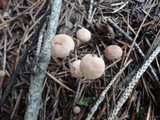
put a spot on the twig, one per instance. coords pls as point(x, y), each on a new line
point(128, 78)
point(77, 92)
point(149, 111)
point(132, 84)
point(110, 21)
point(102, 95)
point(59, 82)
point(5, 24)
point(121, 7)
point(40, 40)
point(17, 103)
point(76, 98)
point(137, 34)
point(90, 11)
point(35, 90)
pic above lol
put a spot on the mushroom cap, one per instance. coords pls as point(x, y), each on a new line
point(75, 69)
point(83, 35)
point(113, 52)
point(61, 45)
point(76, 110)
point(91, 66)
point(2, 73)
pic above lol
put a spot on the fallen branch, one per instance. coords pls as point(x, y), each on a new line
point(35, 90)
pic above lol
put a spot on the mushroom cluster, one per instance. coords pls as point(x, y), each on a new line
point(90, 66)
point(62, 44)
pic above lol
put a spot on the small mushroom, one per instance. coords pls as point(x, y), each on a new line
point(76, 110)
point(91, 66)
point(113, 52)
point(61, 45)
point(83, 35)
point(2, 73)
point(75, 70)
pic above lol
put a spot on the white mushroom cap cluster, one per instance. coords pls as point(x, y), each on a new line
point(90, 66)
point(62, 44)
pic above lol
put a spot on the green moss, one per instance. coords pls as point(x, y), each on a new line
point(86, 101)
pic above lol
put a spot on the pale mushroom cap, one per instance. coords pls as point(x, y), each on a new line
point(92, 67)
point(75, 70)
point(83, 35)
point(76, 110)
point(61, 45)
point(2, 73)
point(113, 52)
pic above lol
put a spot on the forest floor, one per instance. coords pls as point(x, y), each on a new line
point(111, 22)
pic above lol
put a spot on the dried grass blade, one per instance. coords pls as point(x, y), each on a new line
point(59, 82)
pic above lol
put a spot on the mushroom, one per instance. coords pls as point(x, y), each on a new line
point(75, 70)
point(91, 66)
point(76, 110)
point(113, 52)
point(61, 45)
point(83, 35)
point(2, 73)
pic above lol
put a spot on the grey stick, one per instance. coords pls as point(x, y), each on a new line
point(35, 90)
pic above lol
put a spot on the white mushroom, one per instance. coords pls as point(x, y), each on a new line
point(76, 110)
point(91, 66)
point(75, 70)
point(61, 45)
point(83, 35)
point(2, 73)
point(113, 52)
